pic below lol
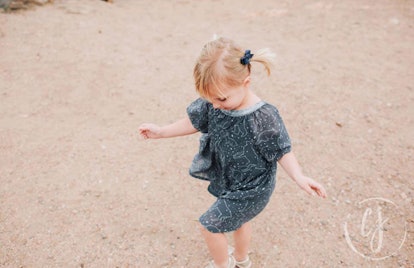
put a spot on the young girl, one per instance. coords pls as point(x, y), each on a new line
point(243, 138)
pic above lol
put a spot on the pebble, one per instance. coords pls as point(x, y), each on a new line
point(394, 21)
point(324, 222)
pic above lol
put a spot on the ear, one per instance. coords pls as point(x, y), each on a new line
point(246, 82)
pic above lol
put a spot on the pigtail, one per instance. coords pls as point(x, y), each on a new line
point(266, 57)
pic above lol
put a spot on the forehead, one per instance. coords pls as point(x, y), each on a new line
point(224, 92)
point(213, 89)
point(214, 95)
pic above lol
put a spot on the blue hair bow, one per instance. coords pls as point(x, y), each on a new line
point(246, 58)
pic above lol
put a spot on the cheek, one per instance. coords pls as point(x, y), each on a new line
point(216, 104)
point(237, 99)
point(232, 103)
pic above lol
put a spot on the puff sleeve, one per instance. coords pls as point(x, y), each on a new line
point(272, 139)
point(198, 113)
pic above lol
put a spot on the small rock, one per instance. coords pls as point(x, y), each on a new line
point(394, 21)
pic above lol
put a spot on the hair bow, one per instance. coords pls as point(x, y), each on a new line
point(246, 58)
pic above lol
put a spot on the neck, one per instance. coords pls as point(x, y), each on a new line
point(249, 100)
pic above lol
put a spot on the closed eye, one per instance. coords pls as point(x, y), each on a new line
point(222, 99)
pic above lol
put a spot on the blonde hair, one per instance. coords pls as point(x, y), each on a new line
point(219, 65)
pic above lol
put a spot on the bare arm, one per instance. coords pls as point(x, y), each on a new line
point(292, 168)
point(179, 128)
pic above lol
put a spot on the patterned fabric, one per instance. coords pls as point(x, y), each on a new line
point(238, 154)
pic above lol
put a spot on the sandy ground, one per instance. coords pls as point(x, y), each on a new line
point(80, 189)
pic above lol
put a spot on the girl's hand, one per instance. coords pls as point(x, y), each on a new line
point(311, 187)
point(150, 131)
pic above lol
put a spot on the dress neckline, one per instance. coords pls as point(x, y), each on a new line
point(245, 111)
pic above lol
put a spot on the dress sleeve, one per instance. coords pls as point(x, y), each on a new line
point(272, 139)
point(198, 113)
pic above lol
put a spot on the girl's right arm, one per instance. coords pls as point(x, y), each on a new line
point(179, 128)
point(291, 166)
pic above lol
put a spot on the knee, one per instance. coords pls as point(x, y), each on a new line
point(246, 227)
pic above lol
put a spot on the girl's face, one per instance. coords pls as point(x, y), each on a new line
point(231, 98)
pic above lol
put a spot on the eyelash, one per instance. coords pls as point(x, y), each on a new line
point(223, 99)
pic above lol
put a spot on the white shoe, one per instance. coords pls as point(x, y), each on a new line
point(231, 263)
point(247, 263)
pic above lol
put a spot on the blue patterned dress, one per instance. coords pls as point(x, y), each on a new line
point(238, 155)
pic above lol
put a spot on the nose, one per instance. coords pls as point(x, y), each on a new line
point(216, 105)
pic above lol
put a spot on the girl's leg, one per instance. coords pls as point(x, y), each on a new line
point(217, 245)
point(242, 237)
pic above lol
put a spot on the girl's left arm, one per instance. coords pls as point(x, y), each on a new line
point(291, 166)
point(179, 128)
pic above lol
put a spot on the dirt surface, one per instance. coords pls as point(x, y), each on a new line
point(78, 188)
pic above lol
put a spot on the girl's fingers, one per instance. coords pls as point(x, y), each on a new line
point(144, 133)
point(318, 189)
point(321, 191)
